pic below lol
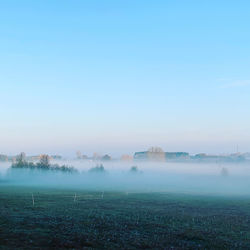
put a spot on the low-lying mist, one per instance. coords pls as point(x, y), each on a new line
point(195, 178)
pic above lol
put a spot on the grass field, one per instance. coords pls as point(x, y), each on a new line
point(75, 219)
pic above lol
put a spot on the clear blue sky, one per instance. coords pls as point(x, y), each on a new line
point(121, 76)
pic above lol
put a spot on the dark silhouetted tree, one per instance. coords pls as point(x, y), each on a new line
point(44, 161)
point(98, 169)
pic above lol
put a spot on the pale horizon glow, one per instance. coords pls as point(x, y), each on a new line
point(121, 76)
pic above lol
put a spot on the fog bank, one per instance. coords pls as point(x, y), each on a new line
point(224, 179)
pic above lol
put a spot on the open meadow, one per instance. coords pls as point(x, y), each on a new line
point(38, 217)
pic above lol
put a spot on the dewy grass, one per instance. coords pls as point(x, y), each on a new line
point(118, 220)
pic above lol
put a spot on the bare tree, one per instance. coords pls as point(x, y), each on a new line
point(44, 161)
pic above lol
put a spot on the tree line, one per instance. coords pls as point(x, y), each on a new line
point(43, 164)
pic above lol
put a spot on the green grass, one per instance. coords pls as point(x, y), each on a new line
point(120, 220)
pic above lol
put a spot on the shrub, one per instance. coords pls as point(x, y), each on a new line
point(97, 169)
point(134, 169)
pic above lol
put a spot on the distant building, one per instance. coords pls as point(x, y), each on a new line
point(157, 154)
point(127, 158)
point(141, 155)
point(177, 155)
point(219, 158)
point(209, 158)
point(150, 156)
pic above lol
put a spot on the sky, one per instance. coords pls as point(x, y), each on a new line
point(121, 76)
